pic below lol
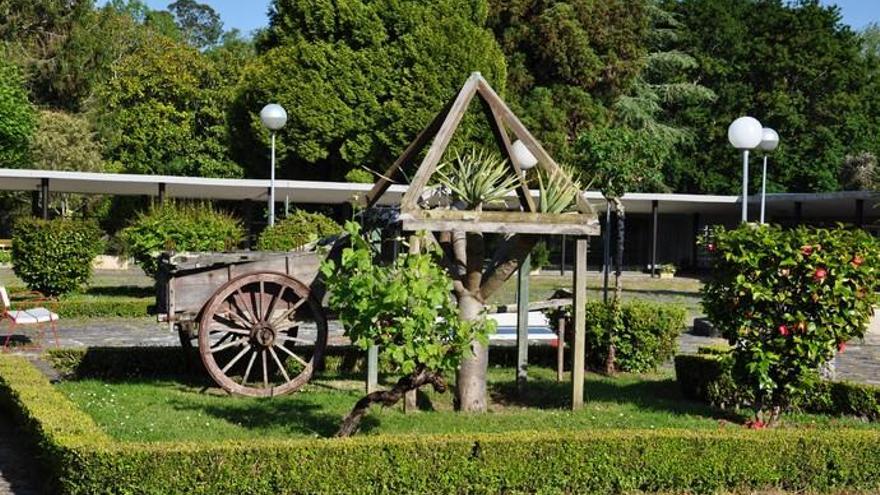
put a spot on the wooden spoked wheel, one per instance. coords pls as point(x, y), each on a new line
point(250, 339)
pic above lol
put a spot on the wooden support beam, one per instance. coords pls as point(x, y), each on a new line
point(372, 369)
point(409, 398)
point(499, 222)
point(579, 305)
point(406, 157)
point(497, 125)
point(545, 161)
point(441, 141)
point(522, 323)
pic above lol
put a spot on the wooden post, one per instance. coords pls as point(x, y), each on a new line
point(560, 349)
point(562, 258)
point(372, 369)
point(409, 399)
point(606, 251)
point(161, 193)
point(579, 303)
point(522, 323)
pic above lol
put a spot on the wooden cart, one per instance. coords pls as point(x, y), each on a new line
point(257, 318)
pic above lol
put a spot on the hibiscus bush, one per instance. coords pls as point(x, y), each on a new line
point(788, 301)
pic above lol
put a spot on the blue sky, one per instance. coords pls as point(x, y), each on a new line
point(247, 15)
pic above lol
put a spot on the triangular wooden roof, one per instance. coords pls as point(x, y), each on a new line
point(500, 119)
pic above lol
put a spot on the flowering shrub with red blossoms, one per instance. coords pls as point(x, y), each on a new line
point(788, 301)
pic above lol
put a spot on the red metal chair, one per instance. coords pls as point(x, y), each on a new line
point(38, 316)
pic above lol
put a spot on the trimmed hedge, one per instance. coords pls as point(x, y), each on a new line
point(707, 377)
point(83, 460)
point(96, 307)
point(647, 341)
point(55, 256)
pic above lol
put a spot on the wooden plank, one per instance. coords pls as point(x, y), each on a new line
point(372, 369)
point(503, 140)
point(578, 307)
point(522, 324)
point(441, 141)
point(503, 222)
point(533, 306)
point(409, 398)
point(544, 160)
point(560, 349)
point(408, 154)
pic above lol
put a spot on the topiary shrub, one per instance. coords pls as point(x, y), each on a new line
point(179, 227)
point(788, 301)
point(55, 256)
point(298, 229)
point(646, 339)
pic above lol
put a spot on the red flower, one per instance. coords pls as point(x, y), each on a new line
point(820, 274)
point(857, 261)
point(807, 250)
point(710, 247)
point(841, 346)
point(756, 424)
point(783, 330)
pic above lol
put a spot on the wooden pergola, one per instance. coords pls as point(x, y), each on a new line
point(526, 220)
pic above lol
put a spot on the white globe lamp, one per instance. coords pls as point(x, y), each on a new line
point(769, 142)
point(523, 157)
point(273, 117)
point(745, 133)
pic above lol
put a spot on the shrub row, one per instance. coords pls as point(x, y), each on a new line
point(85, 461)
point(100, 307)
point(82, 460)
point(647, 341)
point(707, 377)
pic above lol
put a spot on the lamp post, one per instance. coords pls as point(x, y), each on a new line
point(525, 160)
point(745, 134)
point(769, 142)
point(273, 117)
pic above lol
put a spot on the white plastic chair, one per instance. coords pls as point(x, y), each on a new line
point(31, 316)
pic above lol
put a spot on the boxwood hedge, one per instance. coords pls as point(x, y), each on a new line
point(83, 460)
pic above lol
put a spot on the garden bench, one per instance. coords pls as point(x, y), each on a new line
point(38, 316)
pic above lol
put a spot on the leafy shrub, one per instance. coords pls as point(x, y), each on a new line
point(708, 377)
point(788, 301)
point(298, 229)
point(407, 310)
point(359, 175)
point(5, 256)
point(540, 256)
point(82, 459)
point(646, 339)
point(179, 227)
point(55, 256)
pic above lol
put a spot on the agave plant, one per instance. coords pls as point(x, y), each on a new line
point(559, 191)
point(477, 177)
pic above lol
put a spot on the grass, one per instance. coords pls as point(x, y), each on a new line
point(179, 410)
point(680, 290)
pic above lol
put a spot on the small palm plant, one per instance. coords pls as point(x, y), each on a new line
point(477, 177)
point(559, 191)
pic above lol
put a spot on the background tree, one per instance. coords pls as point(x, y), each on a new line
point(163, 113)
point(16, 117)
point(568, 61)
point(359, 79)
point(198, 22)
point(859, 172)
point(794, 65)
point(620, 159)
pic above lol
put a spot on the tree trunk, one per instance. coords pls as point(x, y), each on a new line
point(611, 358)
point(471, 377)
point(389, 397)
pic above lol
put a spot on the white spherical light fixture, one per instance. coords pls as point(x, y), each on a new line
point(523, 157)
point(745, 133)
point(769, 139)
point(273, 116)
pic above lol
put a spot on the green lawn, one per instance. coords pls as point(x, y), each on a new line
point(174, 410)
